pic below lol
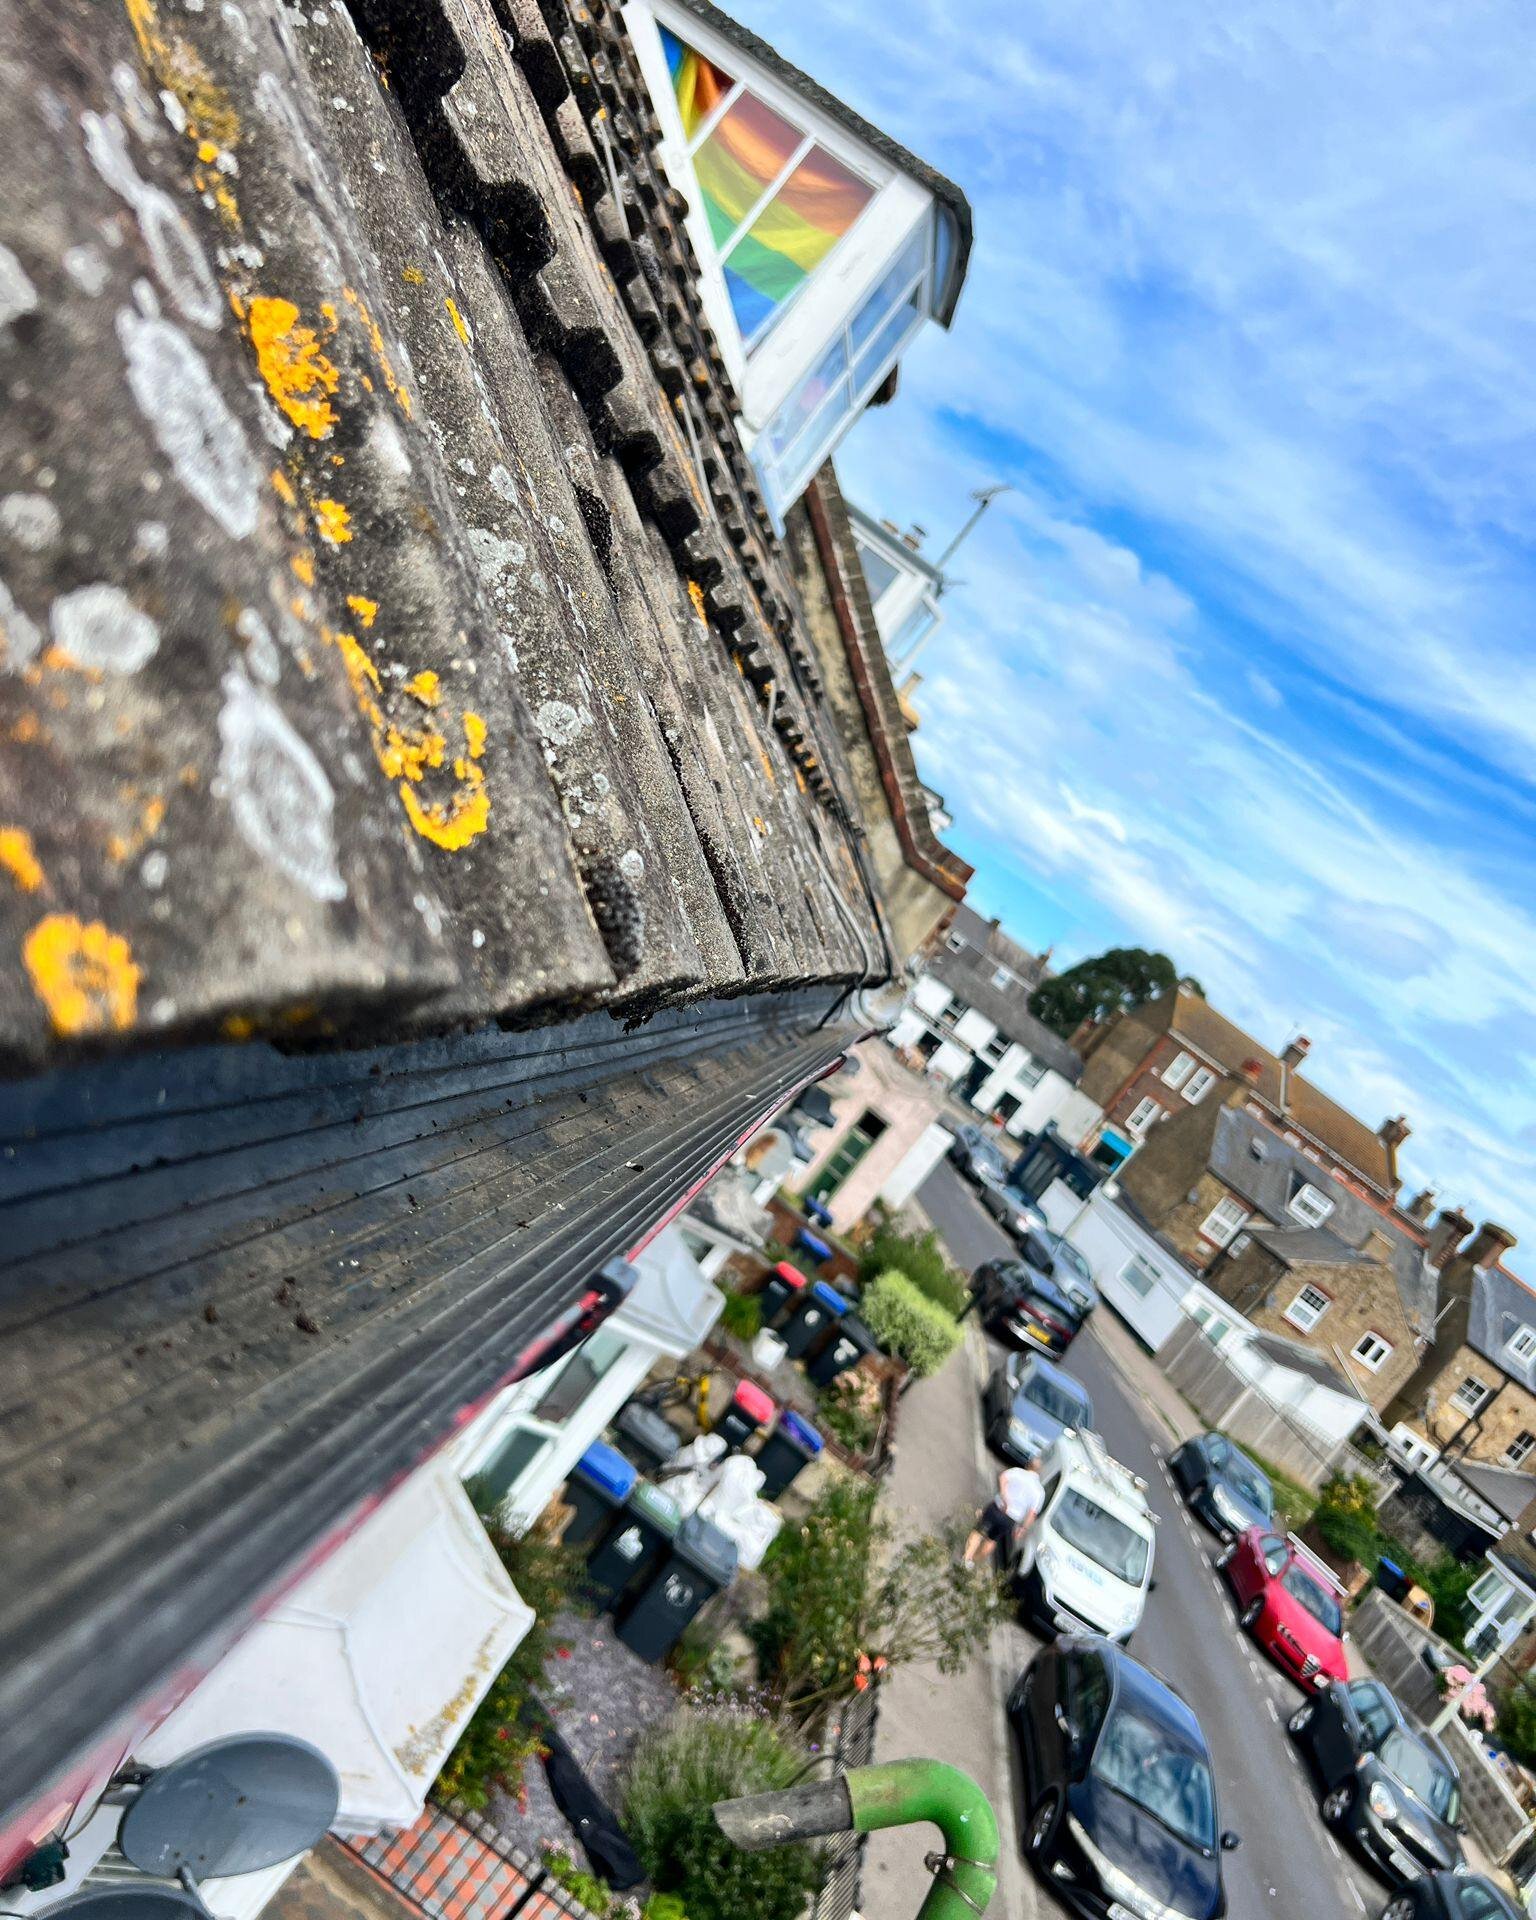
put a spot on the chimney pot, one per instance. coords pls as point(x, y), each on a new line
point(1446, 1236)
point(1392, 1133)
point(1296, 1051)
point(1490, 1245)
point(1422, 1205)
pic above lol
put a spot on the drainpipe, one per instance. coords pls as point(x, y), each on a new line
point(900, 1793)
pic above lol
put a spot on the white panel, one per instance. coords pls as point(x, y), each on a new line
point(931, 996)
point(1108, 1240)
point(974, 1029)
point(908, 1030)
point(915, 1165)
point(949, 1061)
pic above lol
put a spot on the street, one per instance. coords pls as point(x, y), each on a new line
point(1288, 1864)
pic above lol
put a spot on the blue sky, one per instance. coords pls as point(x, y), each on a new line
point(1244, 667)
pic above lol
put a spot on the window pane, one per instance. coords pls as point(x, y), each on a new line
point(813, 389)
point(878, 571)
point(509, 1463)
point(578, 1377)
point(893, 285)
point(878, 355)
point(792, 235)
point(698, 83)
point(745, 152)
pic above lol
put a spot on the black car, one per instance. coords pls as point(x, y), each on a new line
point(1120, 1796)
point(1029, 1403)
point(1025, 1307)
point(1223, 1486)
point(1392, 1791)
point(1452, 1896)
point(976, 1154)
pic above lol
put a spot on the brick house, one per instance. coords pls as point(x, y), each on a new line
point(1337, 1279)
point(1177, 1051)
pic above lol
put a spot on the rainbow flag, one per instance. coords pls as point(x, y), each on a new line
point(744, 152)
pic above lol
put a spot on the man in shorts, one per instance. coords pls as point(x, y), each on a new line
point(1008, 1515)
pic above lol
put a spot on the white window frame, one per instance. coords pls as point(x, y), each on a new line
point(1178, 1070)
point(1225, 1221)
point(1198, 1085)
point(1473, 1403)
point(1140, 1275)
point(1310, 1213)
point(1302, 1314)
point(1002, 978)
point(1371, 1340)
point(956, 942)
point(1518, 1458)
point(1142, 1117)
point(1522, 1343)
point(1418, 1451)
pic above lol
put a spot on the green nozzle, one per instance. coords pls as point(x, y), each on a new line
point(901, 1793)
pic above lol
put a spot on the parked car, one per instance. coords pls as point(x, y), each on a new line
point(1289, 1602)
point(1024, 1307)
point(1222, 1485)
point(1071, 1272)
point(1452, 1896)
point(1086, 1563)
point(1029, 1403)
point(1391, 1790)
point(1119, 1793)
point(976, 1154)
point(1016, 1216)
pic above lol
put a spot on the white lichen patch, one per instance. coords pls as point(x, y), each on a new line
point(632, 865)
point(277, 790)
point(87, 267)
point(197, 433)
point(177, 256)
point(20, 637)
point(100, 628)
point(559, 722)
point(17, 293)
point(31, 520)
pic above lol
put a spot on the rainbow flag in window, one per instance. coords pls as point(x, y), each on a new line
point(749, 149)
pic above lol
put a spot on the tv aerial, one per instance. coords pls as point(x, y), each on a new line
point(234, 1806)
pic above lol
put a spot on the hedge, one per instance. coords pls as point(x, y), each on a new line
point(907, 1323)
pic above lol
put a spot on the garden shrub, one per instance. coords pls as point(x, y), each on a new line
point(674, 1779)
point(595, 1895)
point(908, 1323)
point(850, 1409)
point(742, 1315)
point(924, 1262)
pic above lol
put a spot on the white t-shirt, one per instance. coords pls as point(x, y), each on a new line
point(1021, 1493)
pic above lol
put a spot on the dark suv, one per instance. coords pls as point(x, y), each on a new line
point(1025, 1307)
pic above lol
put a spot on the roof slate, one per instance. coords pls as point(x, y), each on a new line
point(1501, 1305)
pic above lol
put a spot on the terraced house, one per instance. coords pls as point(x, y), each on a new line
point(428, 848)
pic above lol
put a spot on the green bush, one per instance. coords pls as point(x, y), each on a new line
point(850, 1409)
point(742, 1315)
point(674, 1779)
point(595, 1895)
point(921, 1258)
point(1352, 1536)
point(664, 1906)
point(1517, 1724)
point(909, 1324)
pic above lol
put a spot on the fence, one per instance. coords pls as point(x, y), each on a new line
point(1394, 1646)
point(457, 1866)
point(854, 1747)
point(1226, 1398)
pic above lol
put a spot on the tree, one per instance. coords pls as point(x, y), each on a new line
point(1121, 979)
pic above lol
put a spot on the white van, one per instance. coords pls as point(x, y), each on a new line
point(1086, 1563)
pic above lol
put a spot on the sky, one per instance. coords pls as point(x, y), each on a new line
point(1243, 667)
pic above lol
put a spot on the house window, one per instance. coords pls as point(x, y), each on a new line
point(1470, 1395)
point(1224, 1221)
point(950, 1015)
point(1241, 1244)
point(1199, 1084)
point(1030, 1072)
point(777, 203)
point(1139, 1275)
point(1522, 1343)
point(1520, 1447)
point(955, 942)
point(1310, 1207)
point(1211, 1324)
point(1178, 1070)
point(995, 1048)
point(503, 1472)
point(1001, 977)
point(880, 572)
point(1308, 1308)
point(1142, 1116)
point(1372, 1351)
point(1413, 1447)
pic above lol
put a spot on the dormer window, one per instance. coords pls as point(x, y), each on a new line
point(1522, 1343)
point(1310, 1207)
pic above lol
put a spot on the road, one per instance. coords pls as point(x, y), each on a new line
point(1289, 1865)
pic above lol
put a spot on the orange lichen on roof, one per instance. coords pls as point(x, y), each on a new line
point(333, 522)
point(19, 859)
point(367, 610)
point(459, 325)
point(83, 973)
point(298, 375)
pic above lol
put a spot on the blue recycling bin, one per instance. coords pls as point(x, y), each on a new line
point(599, 1484)
point(813, 1244)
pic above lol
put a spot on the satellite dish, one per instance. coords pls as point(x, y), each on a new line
point(130, 1903)
point(234, 1806)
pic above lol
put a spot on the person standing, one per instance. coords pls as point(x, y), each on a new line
point(1008, 1515)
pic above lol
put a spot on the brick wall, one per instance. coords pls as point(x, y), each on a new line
point(1511, 1411)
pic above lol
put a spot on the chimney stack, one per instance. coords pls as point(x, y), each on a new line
point(1490, 1245)
point(1421, 1206)
point(1242, 1084)
point(1392, 1133)
point(1446, 1236)
point(1295, 1052)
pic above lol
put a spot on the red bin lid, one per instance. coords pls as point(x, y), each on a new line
point(753, 1402)
point(790, 1275)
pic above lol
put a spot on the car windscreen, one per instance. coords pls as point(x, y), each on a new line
point(1037, 1253)
point(1249, 1484)
point(1066, 1408)
point(1170, 1781)
point(1072, 1264)
point(1322, 1606)
point(1428, 1779)
point(987, 1157)
point(1106, 1539)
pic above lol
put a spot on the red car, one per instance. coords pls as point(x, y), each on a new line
point(1290, 1604)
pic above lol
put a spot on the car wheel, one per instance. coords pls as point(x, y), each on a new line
point(1300, 1720)
point(1040, 1835)
point(1337, 1802)
point(1248, 1619)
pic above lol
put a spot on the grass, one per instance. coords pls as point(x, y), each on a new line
point(1294, 1503)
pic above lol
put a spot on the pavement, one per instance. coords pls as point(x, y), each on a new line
point(1289, 1865)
